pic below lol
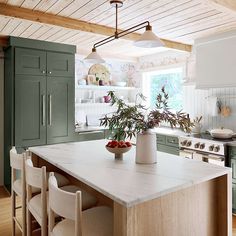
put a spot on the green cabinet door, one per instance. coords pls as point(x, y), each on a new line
point(234, 197)
point(233, 166)
point(60, 64)
point(30, 62)
point(60, 109)
point(168, 149)
point(30, 110)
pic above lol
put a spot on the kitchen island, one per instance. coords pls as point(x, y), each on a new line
point(176, 196)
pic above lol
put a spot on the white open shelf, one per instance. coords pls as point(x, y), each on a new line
point(107, 88)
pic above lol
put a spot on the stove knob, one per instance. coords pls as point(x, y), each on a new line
point(197, 145)
point(202, 145)
point(211, 148)
point(217, 149)
point(189, 143)
point(183, 143)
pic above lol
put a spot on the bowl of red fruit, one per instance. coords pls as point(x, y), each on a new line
point(118, 147)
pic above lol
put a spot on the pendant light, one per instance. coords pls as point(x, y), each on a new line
point(94, 57)
point(147, 40)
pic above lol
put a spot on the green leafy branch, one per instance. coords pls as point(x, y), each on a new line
point(128, 120)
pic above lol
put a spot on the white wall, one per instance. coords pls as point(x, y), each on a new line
point(1, 115)
point(196, 104)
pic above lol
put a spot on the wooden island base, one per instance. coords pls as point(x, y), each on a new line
point(195, 211)
point(199, 210)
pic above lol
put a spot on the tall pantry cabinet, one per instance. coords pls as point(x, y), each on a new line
point(39, 95)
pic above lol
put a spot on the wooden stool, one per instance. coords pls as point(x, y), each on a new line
point(95, 221)
point(18, 189)
point(37, 204)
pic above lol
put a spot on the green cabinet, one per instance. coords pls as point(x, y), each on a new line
point(39, 95)
point(30, 110)
point(44, 97)
point(232, 164)
point(234, 197)
point(60, 120)
point(44, 104)
point(168, 144)
point(60, 64)
point(30, 61)
point(161, 139)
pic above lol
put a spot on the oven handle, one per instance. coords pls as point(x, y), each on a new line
point(187, 150)
point(204, 155)
point(213, 157)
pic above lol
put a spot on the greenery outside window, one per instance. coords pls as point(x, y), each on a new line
point(171, 79)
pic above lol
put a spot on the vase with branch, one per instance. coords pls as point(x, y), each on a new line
point(138, 121)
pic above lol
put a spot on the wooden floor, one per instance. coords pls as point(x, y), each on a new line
point(5, 215)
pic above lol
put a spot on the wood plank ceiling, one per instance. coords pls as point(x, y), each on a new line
point(178, 20)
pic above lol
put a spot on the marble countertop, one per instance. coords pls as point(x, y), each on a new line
point(231, 144)
point(124, 181)
point(161, 130)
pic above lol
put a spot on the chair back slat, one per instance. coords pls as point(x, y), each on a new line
point(16, 160)
point(34, 176)
point(61, 202)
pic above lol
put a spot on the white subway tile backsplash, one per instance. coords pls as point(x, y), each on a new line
point(196, 104)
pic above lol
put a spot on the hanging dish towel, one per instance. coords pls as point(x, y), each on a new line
point(213, 106)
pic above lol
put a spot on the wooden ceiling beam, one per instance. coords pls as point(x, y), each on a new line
point(230, 4)
point(3, 41)
point(46, 18)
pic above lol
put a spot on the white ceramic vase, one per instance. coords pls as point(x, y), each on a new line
point(146, 148)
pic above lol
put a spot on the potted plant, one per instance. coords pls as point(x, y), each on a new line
point(137, 120)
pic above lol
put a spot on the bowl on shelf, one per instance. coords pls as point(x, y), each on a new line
point(118, 148)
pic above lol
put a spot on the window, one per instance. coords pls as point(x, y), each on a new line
point(171, 79)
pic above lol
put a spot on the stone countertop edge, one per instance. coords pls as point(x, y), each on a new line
point(231, 144)
point(162, 130)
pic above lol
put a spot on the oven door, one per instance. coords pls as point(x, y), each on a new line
point(186, 153)
point(213, 159)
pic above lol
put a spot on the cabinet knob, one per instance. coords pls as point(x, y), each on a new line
point(50, 72)
point(43, 71)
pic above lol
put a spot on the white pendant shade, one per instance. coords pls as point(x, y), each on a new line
point(94, 57)
point(148, 40)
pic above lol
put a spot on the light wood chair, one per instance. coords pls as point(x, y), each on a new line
point(37, 205)
point(95, 221)
point(36, 177)
point(18, 189)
